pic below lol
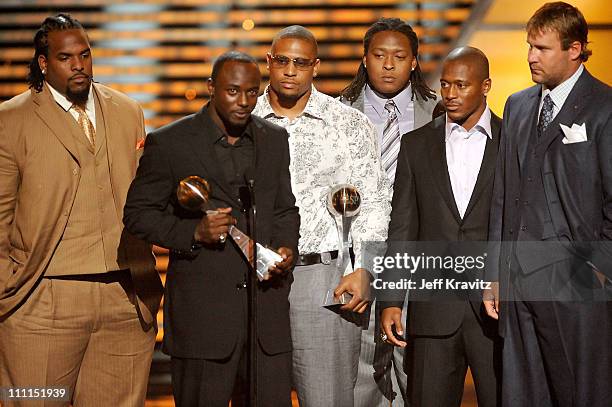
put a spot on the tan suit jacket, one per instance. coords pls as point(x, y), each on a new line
point(39, 174)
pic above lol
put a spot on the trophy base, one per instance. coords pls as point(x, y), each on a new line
point(266, 258)
point(333, 303)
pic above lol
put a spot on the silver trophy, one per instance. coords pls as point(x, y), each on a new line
point(343, 202)
point(193, 194)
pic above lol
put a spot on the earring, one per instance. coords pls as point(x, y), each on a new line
point(44, 71)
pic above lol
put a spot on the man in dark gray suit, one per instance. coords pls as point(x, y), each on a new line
point(442, 194)
point(552, 211)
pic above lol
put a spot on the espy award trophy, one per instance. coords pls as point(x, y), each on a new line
point(343, 202)
point(193, 194)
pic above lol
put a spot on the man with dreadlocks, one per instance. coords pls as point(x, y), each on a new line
point(389, 88)
point(78, 293)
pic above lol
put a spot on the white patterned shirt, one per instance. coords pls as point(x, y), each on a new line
point(331, 143)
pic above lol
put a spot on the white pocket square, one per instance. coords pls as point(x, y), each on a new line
point(575, 134)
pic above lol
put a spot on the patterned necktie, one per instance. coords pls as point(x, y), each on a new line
point(85, 124)
point(390, 141)
point(546, 115)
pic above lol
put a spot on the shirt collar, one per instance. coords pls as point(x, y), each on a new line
point(315, 107)
point(66, 104)
point(560, 93)
point(402, 100)
point(483, 125)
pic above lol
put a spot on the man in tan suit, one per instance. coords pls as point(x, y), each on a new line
point(78, 293)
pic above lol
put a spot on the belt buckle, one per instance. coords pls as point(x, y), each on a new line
point(326, 258)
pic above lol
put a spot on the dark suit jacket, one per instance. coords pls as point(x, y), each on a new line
point(204, 312)
point(577, 179)
point(424, 209)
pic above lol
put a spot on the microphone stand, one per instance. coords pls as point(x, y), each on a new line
point(251, 212)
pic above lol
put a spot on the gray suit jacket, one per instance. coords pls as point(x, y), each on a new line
point(423, 109)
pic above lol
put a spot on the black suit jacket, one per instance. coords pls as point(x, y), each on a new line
point(204, 311)
point(577, 180)
point(424, 209)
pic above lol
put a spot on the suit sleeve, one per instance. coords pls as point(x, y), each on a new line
point(9, 179)
point(404, 224)
point(602, 255)
point(496, 212)
point(286, 214)
point(148, 211)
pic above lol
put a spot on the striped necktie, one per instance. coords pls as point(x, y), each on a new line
point(390, 141)
point(85, 124)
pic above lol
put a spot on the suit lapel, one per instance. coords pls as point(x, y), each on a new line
point(487, 167)
point(528, 124)
point(48, 111)
point(574, 104)
point(421, 115)
point(109, 109)
point(437, 160)
point(203, 146)
point(359, 102)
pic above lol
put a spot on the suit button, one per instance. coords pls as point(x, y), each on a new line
point(523, 228)
point(525, 202)
point(529, 179)
point(516, 200)
point(75, 171)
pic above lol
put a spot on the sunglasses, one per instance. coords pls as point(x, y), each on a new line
point(281, 61)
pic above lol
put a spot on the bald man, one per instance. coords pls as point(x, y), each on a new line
point(442, 193)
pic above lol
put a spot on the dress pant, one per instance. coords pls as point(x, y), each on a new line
point(212, 383)
point(325, 343)
point(367, 390)
point(437, 365)
point(557, 342)
point(84, 336)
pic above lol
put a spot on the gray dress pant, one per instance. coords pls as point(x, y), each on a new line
point(325, 344)
point(367, 392)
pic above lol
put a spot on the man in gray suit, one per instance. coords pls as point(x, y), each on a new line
point(389, 88)
point(552, 208)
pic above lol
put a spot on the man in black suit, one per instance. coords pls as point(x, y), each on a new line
point(205, 306)
point(552, 212)
point(442, 193)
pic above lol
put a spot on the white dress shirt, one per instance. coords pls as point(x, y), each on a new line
point(464, 153)
point(331, 143)
point(90, 107)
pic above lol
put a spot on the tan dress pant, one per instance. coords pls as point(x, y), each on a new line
point(80, 335)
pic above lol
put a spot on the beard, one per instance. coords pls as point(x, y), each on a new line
point(78, 96)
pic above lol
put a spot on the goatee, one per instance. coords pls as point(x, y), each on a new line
point(80, 97)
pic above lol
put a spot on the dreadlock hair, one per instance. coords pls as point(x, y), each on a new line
point(58, 22)
point(419, 86)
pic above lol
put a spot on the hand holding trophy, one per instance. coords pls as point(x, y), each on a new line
point(193, 194)
point(343, 202)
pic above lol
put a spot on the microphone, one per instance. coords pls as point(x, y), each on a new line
point(246, 193)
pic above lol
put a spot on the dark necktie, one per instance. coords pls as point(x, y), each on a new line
point(546, 115)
